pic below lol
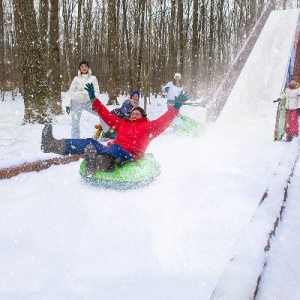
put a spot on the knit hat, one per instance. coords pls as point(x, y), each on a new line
point(140, 110)
point(135, 92)
point(84, 62)
point(177, 74)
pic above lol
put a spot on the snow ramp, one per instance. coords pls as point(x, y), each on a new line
point(249, 118)
point(249, 110)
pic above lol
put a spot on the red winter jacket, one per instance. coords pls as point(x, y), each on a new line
point(135, 136)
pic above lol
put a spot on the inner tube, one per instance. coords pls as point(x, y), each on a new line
point(131, 175)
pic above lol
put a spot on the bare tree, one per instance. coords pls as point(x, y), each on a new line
point(2, 49)
point(199, 38)
point(113, 90)
point(78, 32)
point(195, 48)
point(43, 25)
point(54, 61)
point(67, 58)
point(181, 44)
point(35, 86)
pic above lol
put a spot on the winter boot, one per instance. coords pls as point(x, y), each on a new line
point(105, 163)
point(50, 144)
point(98, 131)
point(90, 155)
point(110, 134)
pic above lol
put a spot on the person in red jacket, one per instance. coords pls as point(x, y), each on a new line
point(133, 136)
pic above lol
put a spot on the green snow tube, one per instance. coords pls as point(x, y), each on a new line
point(132, 175)
point(186, 126)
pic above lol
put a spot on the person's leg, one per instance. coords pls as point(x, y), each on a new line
point(110, 156)
point(288, 125)
point(49, 144)
point(118, 153)
point(97, 163)
point(88, 107)
point(76, 112)
point(294, 123)
point(77, 146)
point(170, 103)
point(66, 146)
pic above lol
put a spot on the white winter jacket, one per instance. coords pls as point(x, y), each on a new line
point(292, 98)
point(173, 91)
point(77, 92)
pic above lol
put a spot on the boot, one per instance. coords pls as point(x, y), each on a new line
point(90, 155)
point(98, 131)
point(51, 145)
point(105, 163)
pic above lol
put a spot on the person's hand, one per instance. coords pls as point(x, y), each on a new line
point(68, 109)
point(89, 87)
point(277, 100)
point(167, 89)
point(180, 99)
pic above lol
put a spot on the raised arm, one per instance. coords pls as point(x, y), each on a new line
point(110, 119)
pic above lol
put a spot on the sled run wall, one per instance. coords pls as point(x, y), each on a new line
point(221, 95)
point(249, 116)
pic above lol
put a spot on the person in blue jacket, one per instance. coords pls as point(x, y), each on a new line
point(124, 111)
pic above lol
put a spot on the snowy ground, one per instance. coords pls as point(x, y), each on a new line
point(174, 239)
point(62, 239)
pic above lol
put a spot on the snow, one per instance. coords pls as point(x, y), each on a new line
point(197, 232)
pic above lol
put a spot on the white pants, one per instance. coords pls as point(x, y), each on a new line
point(76, 112)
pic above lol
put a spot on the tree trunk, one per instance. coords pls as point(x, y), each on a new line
point(195, 49)
point(78, 33)
point(66, 64)
point(54, 62)
point(2, 66)
point(172, 66)
point(43, 27)
point(180, 58)
point(35, 86)
point(112, 50)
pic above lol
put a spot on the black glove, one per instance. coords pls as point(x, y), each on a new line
point(277, 100)
point(68, 109)
point(89, 87)
point(182, 97)
point(167, 89)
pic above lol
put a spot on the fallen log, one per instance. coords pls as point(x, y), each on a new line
point(37, 165)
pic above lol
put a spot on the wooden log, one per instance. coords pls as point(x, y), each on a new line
point(37, 165)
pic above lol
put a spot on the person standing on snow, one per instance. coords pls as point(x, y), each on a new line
point(78, 98)
point(132, 139)
point(173, 89)
point(292, 94)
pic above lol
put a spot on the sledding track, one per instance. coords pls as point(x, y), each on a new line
point(268, 213)
point(268, 55)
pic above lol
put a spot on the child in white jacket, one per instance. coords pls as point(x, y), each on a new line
point(292, 94)
point(78, 99)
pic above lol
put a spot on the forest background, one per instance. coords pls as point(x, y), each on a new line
point(130, 45)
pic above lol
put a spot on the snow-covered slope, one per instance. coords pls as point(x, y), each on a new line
point(62, 239)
